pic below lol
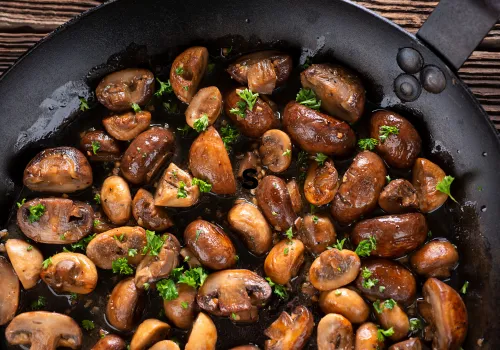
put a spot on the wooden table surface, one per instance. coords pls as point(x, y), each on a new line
point(24, 22)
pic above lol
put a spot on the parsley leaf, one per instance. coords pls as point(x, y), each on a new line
point(339, 245)
point(386, 130)
point(84, 104)
point(83, 243)
point(154, 243)
point(201, 124)
point(179, 70)
point(249, 97)
point(136, 107)
point(39, 303)
point(320, 158)
point(366, 246)
point(36, 212)
point(184, 130)
point(29, 248)
point(46, 263)
point(165, 88)
point(463, 290)
point(444, 186)
point(289, 234)
point(369, 283)
point(390, 303)
point(367, 144)
point(307, 97)
point(288, 152)
point(194, 277)
point(366, 273)
point(146, 286)
point(171, 107)
point(381, 334)
point(97, 198)
point(96, 145)
point(132, 252)
point(184, 304)
point(415, 324)
point(286, 251)
point(376, 306)
point(229, 135)
point(181, 191)
point(202, 185)
point(20, 204)
point(233, 316)
point(388, 178)
point(88, 325)
point(97, 222)
point(240, 109)
point(122, 267)
point(278, 289)
point(315, 219)
point(167, 289)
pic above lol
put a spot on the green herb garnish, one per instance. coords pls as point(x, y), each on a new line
point(121, 266)
point(202, 185)
point(444, 186)
point(308, 98)
point(385, 131)
point(201, 124)
point(367, 144)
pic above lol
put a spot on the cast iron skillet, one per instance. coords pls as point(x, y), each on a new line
point(39, 99)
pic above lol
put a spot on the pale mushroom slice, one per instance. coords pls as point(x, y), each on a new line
point(176, 189)
point(148, 333)
point(290, 331)
point(26, 260)
point(110, 342)
point(9, 291)
point(203, 332)
point(165, 345)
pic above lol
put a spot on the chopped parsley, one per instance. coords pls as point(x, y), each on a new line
point(185, 87)
point(132, 252)
point(73, 296)
point(240, 109)
point(381, 289)
point(278, 289)
point(179, 70)
point(285, 252)
point(198, 233)
point(146, 286)
point(36, 212)
point(339, 245)
point(82, 244)
point(463, 290)
point(97, 198)
point(229, 135)
point(171, 107)
point(184, 130)
point(233, 316)
point(388, 178)
point(96, 145)
point(386, 130)
point(96, 222)
point(181, 191)
point(120, 237)
point(136, 107)
point(320, 158)
point(308, 98)
point(429, 234)
point(167, 290)
point(367, 144)
point(381, 334)
point(184, 304)
point(122, 267)
point(249, 100)
point(289, 234)
point(444, 186)
point(338, 292)
point(288, 152)
point(368, 282)
point(210, 67)
point(29, 248)
point(315, 219)
point(415, 324)
point(201, 124)
point(84, 104)
point(20, 204)
point(390, 303)
point(154, 243)
point(88, 325)
point(194, 277)
point(366, 246)
point(165, 88)
point(39, 303)
point(46, 263)
point(202, 185)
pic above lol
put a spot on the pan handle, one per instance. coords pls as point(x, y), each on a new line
point(456, 27)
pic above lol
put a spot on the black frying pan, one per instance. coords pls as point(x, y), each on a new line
point(39, 99)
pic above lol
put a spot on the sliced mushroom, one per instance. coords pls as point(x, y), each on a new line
point(409, 344)
point(233, 291)
point(367, 337)
point(276, 150)
point(176, 189)
point(26, 260)
point(335, 332)
point(44, 331)
point(295, 197)
point(148, 333)
point(127, 126)
point(207, 102)
point(99, 146)
point(246, 219)
point(393, 317)
point(345, 302)
point(116, 243)
point(447, 315)
point(262, 77)
point(322, 183)
point(62, 221)
point(119, 90)
point(116, 200)
point(334, 268)
point(70, 272)
point(176, 310)
point(187, 71)
point(435, 259)
point(209, 161)
point(210, 244)
point(284, 260)
point(251, 160)
point(58, 170)
point(9, 290)
point(290, 331)
point(398, 197)
point(316, 231)
point(147, 214)
point(203, 332)
point(426, 176)
point(125, 305)
point(110, 342)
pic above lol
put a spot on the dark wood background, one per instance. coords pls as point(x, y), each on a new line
point(24, 22)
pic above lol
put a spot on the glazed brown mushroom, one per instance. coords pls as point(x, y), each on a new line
point(125, 305)
point(62, 221)
point(290, 331)
point(435, 259)
point(116, 200)
point(147, 214)
point(426, 176)
point(398, 197)
point(446, 314)
point(396, 235)
point(176, 189)
point(333, 269)
point(294, 192)
point(276, 150)
point(203, 332)
point(9, 290)
point(409, 344)
point(367, 337)
point(176, 310)
point(340, 90)
point(190, 258)
point(284, 260)
point(187, 71)
point(127, 126)
point(316, 232)
point(322, 183)
point(119, 90)
point(316, 132)
point(251, 160)
point(233, 291)
point(116, 243)
point(209, 161)
point(58, 170)
point(70, 272)
point(146, 154)
point(99, 146)
point(345, 302)
point(44, 331)
point(207, 102)
point(247, 220)
point(110, 342)
point(335, 332)
point(210, 244)
point(26, 260)
point(149, 332)
point(274, 201)
point(393, 317)
point(165, 345)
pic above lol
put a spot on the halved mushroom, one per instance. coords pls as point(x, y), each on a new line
point(146, 154)
point(116, 200)
point(9, 290)
point(177, 312)
point(393, 317)
point(26, 260)
point(203, 332)
point(127, 126)
point(409, 344)
point(295, 197)
point(435, 259)
point(110, 342)
point(367, 337)
point(44, 331)
point(102, 223)
point(125, 305)
point(209, 161)
point(284, 260)
point(290, 331)
point(262, 77)
point(233, 291)
point(398, 197)
point(55, 220)
point(187, 71)
point(99, 146)
point(246, 219)
point(149, 332)
point(426, 176)
point(70, 272)
point(154, 267)
point(58, 170)
point(447, 315)
point(335, 332)
point(116, 243)
point(316, 231)
point(207, 102)
point(147, 214)
point(251, 160)
point(176, 189)
point(322, 183)
point(119, 90)
point(276, 150)
point(165, 345)
point(334, 268)
point(210, 244)
point(345, 302)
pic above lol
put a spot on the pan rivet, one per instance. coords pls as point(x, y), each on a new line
point(410, 60)
point(433, 79)
point(407, 87)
